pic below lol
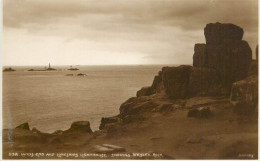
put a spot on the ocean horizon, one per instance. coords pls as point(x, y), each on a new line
point(51, 100)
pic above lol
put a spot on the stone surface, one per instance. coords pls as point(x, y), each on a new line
point(215, 33)
point(24, 126)
point(244, 95)
point(199, 57)
point(176, 81)
point(108, 120)
point(145, 91)
point(204, 82)
point(81, 126)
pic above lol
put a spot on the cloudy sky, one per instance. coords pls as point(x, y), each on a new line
point(92, 32)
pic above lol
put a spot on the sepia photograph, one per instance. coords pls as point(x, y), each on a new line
point(129, 79)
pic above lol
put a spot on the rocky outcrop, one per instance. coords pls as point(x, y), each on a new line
point(227, 53)
point(204, 82)
point(215, 33)
point(199, 57)
point(244, 95)
point(223, 60)
point(156, 87)
point(176, 81)
point(24, 126)
point(108, 120)
point(80, 126)
point(145, 91)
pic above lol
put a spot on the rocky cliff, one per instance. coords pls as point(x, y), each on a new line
point(205, 111)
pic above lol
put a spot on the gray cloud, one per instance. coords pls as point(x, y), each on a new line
point(161, 31)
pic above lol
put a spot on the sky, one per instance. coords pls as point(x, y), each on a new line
point(116, 32)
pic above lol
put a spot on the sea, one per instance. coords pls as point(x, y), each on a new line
point(51, 100)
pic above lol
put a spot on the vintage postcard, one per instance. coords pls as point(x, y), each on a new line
point(129, 79)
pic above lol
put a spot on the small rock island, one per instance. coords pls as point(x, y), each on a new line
point(9, 70)
point(47, 69)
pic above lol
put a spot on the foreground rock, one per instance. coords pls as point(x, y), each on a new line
point(244, 95)
point(80, 126)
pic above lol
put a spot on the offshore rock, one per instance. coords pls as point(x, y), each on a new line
point(24, 126)
point(176, 81)
point(199, 57)
point(244, 95)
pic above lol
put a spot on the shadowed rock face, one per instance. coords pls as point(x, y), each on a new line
point(244, 95)
point(199, 57)
point(83, 126)
point(204, 82)
point(24, 126)
point(233, 62)
point(215, 33)
point(176, 81)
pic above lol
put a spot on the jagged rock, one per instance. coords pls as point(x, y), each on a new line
point(24, 126)
point(227, 53)
point(244, 95)
point(145, 91)
point(157, 85)
point(176, 81)
point(57, 132)
point(215, 33)
point(81, 126)
point(204, 82)
point(108, 120)
point(199, 57)
point(133, 118)
point(233, 62)
point(136, 105)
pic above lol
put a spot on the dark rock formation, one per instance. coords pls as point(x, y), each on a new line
point(204, 82)
point(199, 57)
point(8, 70)
point(108, 120)
point(80, 126)
point(145, 91)
point(156, 87)
point(176, 81)
point(233, 62)
point(215, 33)
point(24, 126)
point(244, 95)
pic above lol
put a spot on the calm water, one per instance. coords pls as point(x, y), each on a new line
point(50, 100)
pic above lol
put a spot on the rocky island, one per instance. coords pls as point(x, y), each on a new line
point(205, 111)
point(8, 70)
